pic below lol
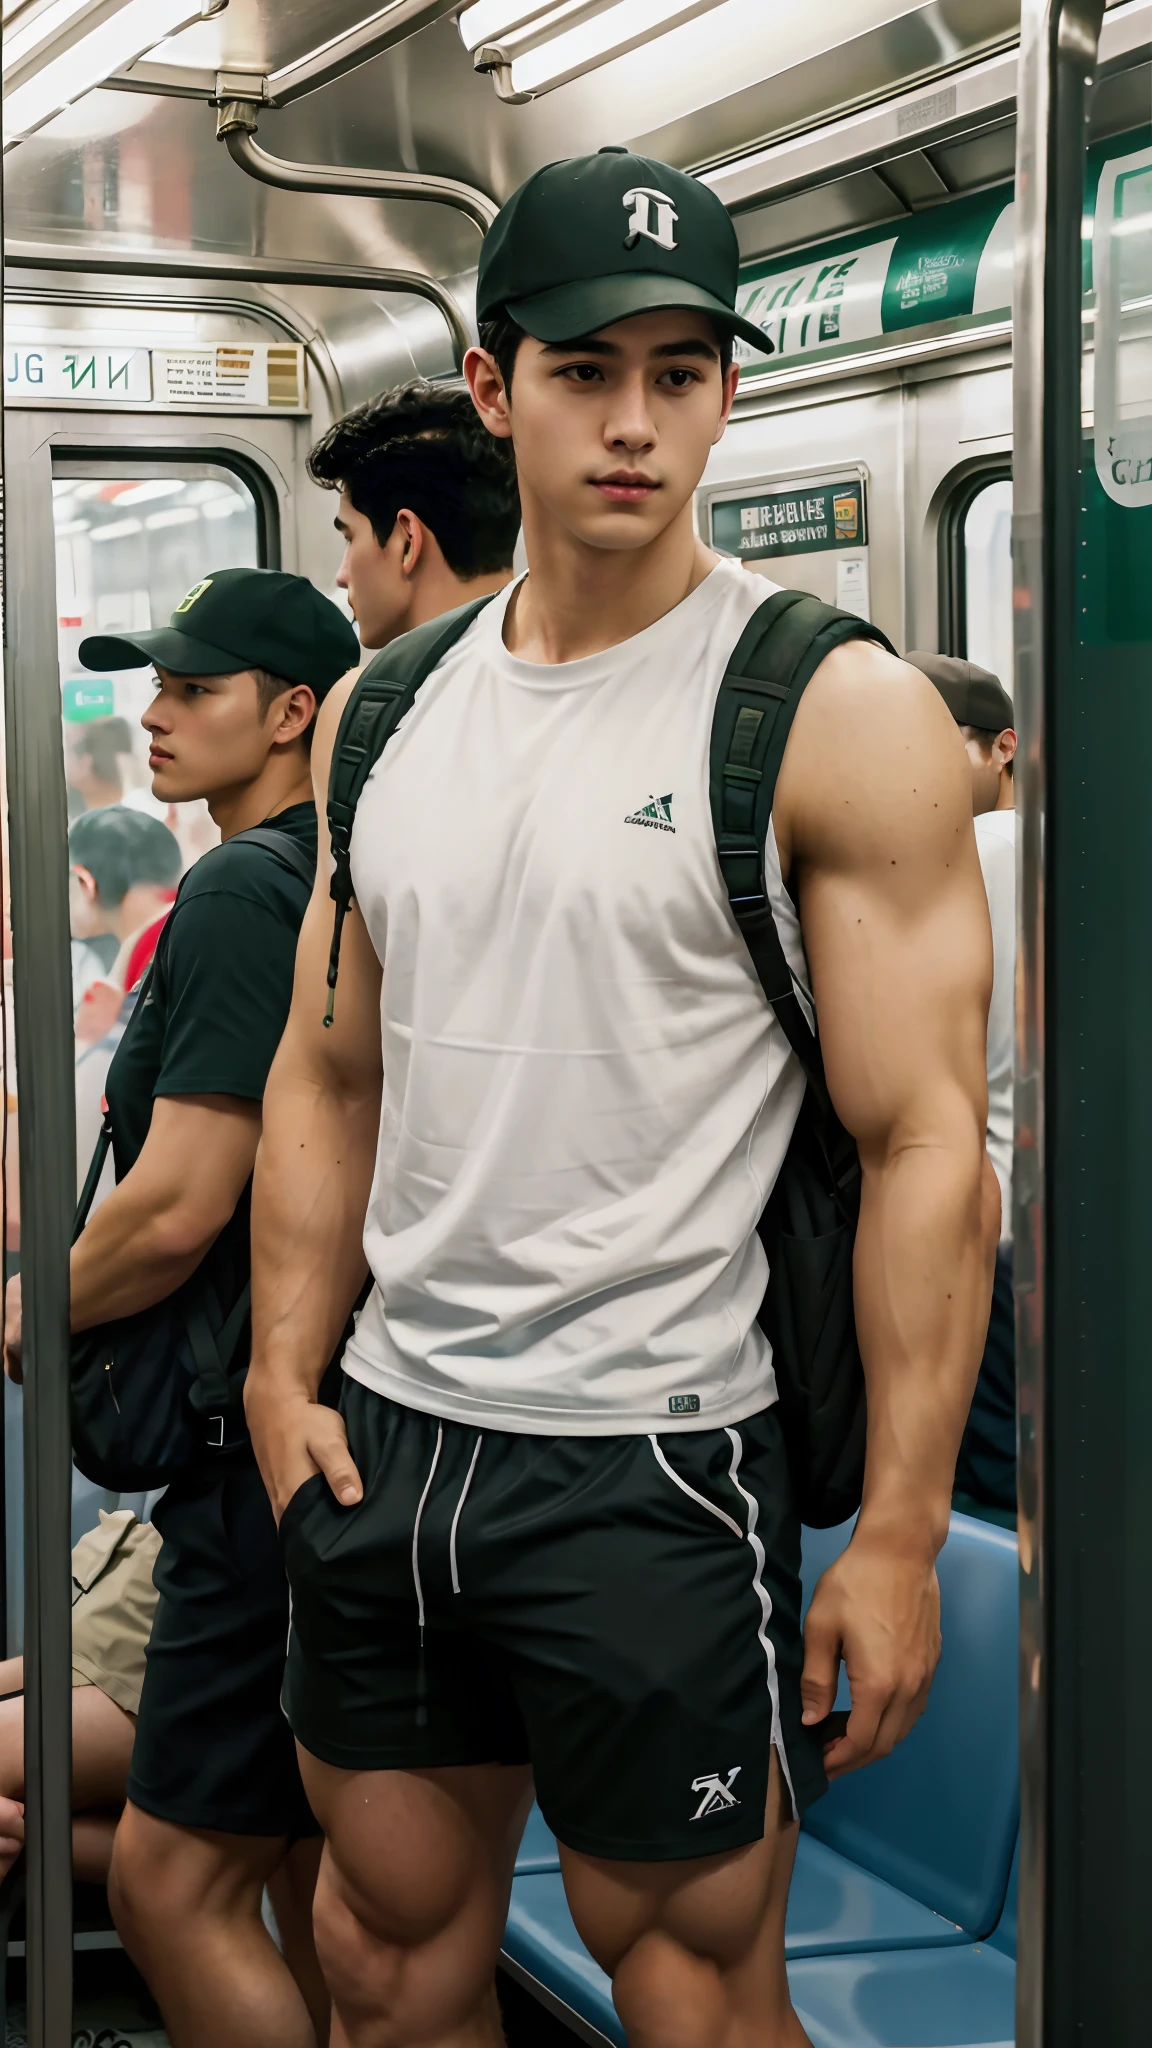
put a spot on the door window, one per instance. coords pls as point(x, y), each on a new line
point(131, 540)
point(987, 543)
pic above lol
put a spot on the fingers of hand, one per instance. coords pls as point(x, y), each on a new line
point(821, 1673)
point(328, 1448)
point(882, 1715)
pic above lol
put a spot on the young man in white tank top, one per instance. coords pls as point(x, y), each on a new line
point(551, 1534)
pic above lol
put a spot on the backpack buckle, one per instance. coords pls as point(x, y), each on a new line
point(215, 1442)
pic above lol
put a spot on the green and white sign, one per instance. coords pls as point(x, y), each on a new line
point(805, 519)
point(950, 263)
point(88, 697)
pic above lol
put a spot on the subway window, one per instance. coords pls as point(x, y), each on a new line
point(986, 541)
point(129, 547)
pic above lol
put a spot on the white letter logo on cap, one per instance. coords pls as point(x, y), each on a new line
point(653, 216)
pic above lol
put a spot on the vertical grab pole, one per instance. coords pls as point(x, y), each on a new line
point(45, 1068)
point(1059, 40)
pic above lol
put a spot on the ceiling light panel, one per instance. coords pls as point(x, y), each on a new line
point(488, 21)
point(532, 49)
point(80, 54)
point(35, 28)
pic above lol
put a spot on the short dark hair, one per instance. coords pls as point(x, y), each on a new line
point(423, 447)
point(119, 847)
point(269, 687)
point(501, 337)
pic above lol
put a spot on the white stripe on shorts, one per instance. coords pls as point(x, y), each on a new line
point(762, 1595)
point(662, 1461)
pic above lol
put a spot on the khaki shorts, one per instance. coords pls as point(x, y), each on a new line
point(113, 1602)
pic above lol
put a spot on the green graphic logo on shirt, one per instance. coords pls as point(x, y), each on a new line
point(683, 1404)
point(656, 814)
point(197, 590)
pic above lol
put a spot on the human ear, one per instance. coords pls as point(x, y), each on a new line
point(488, 393)
point(731, 385)
point(412, 530)
point(298, 712)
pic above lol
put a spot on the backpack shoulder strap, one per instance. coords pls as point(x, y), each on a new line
point(772, 663)
point(382, 695)
point(287, 850)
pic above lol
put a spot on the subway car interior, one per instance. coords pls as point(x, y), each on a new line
point(224, 226)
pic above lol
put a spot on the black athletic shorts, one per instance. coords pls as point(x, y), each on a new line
point(213, 1749)
point(622, 1612)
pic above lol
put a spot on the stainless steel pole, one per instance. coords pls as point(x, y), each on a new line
point(45, 1056)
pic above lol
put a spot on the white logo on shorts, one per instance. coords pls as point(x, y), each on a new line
point(716, 1795)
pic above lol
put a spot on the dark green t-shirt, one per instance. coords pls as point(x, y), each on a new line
point(212, 1012)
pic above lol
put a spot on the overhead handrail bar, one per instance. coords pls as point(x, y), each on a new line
point(392, 24)
point(236, 128)
point(341, 54)
point(253, 270)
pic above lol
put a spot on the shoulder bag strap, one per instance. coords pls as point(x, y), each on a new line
point(380, 699)
point(287, 850)
point(775, 658)
point(92, 1178)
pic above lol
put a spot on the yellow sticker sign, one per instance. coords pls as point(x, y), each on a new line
point(197, 590)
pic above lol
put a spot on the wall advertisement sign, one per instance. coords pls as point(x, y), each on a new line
point(804, 519)
point(948, 263)
point(257, 376)
point(954, 263)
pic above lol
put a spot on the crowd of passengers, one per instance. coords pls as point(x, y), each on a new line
point(216, 1819)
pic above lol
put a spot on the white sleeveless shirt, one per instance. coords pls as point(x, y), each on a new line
point(586, 1097)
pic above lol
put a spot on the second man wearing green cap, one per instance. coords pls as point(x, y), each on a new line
point(552, 1538)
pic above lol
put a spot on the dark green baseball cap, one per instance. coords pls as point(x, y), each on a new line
point(595, 239)
point(236, 619)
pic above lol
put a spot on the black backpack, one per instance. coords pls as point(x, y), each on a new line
point(162, 1392)
point(809, 1226)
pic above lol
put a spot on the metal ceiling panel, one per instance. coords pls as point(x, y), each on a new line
point(165, 181)
point(262, 35)
point(837, 208)
point(710, 87)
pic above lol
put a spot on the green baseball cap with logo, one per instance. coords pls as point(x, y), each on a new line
point(595, 239)
point(236, 619)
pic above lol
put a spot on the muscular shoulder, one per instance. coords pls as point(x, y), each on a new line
point(874, 768)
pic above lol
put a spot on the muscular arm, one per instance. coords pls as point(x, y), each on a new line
point(874, 817)
point(311, 1188)
point(152, 1231)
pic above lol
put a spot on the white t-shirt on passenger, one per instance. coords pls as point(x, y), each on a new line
point(586, 1097)
point(996, 845)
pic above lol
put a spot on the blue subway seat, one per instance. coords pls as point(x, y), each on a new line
point(1005, 1936)
point(938, 1819)
point(538, 1849)
point(835, 1908)
point(901, 1871)
point(915, 1998)
point(543, 1946)
point(946, 1997)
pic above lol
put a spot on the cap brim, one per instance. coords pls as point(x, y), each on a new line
point(165, 647)
point(570, 311)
